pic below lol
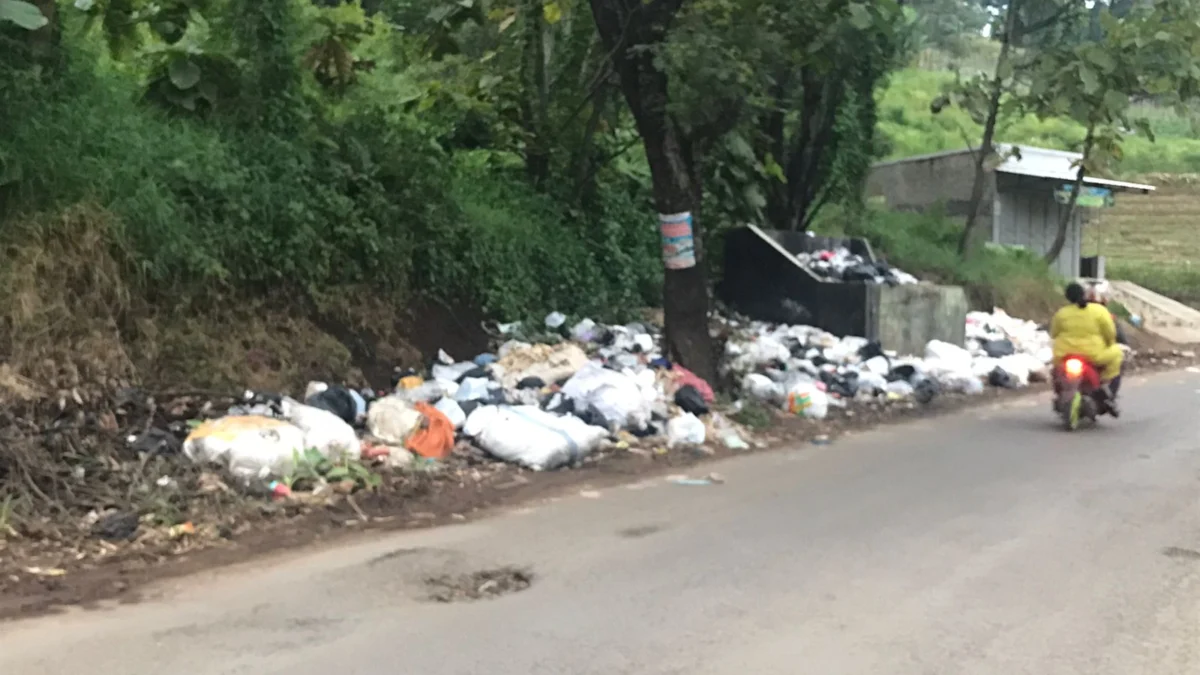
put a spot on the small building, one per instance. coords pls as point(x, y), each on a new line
point(1022, 201)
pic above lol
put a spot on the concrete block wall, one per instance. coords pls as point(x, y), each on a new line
point(920, 183)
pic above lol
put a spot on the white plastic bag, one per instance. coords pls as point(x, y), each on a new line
point(804, 398)
point(624, 403)
point(686, 429)
point(473, 389)
point(251, 446)
point(584, 331)
point(453, 411)
point(532, 437)
point(452, 373)
point(878, 365)
point(762, 388)
point(954, 356)
point(872, 382)
point(392, 420)
point(324, 431)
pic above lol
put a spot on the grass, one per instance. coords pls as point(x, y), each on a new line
point(926, 245)
point(907, 128)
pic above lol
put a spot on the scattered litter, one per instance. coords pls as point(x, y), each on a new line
point(686, 429)
point(710, 479)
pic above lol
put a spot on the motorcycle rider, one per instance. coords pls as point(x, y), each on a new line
point(1087, 330)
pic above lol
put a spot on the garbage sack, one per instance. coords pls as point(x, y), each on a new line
point(532, 383)
point(552, 363)
point(532, 437)
point(345, 403)
point(452, 373)
point(619, 398)
point(872, 382)
point(473, 389)
point(1000, 378)
point(686, 429)
point(998, 348)
point(691, 400)
point(434, 438)
point(585, 331)
point(250, 446)
point(392, 420)
point(900, 388)
point(762, 388)
point(684, 378)
point(749, 357)
point(953, 355)
point(453, 411)
point(555, 320)
point(879, 365)
point(324, 431)
point(805, 398)
point(1021, 367)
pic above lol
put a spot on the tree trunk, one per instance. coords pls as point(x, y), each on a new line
point(1064, 222)
point(629, 31)
point(535, 101)
point(989, 130)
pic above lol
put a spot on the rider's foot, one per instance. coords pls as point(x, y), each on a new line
point(1110, 401)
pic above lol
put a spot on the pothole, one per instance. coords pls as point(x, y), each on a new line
point(1181, 553)
point(640, 532)
point(481, 585)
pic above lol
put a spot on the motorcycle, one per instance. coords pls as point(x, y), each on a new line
point(1077, 392)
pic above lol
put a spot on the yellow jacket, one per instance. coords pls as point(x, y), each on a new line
point(1083, 331)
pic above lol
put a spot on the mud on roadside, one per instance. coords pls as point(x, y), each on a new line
point(42, 576)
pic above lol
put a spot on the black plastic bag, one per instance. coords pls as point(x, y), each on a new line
point(690, 399)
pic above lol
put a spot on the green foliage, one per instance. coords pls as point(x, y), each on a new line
point(312, 468)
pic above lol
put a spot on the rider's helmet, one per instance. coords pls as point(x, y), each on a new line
point(1097, 291)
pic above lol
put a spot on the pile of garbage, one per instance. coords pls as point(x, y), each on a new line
point(550, 400)
point(540, 402)
point(840, 264)
point(807, 371)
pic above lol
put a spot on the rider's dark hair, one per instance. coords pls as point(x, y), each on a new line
point(1076, 295)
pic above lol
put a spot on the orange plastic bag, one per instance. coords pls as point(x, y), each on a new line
point(435, 438)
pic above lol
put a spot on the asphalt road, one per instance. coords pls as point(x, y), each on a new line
point(987, 543)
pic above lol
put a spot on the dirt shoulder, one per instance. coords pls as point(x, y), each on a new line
point(39, 576)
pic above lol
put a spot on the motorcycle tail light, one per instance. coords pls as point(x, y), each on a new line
point(1074, 367)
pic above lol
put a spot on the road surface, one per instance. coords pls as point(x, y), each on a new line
point(986, 543)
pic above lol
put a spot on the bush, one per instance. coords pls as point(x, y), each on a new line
point(520, 253)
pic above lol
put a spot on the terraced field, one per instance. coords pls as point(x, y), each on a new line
point(1154, 240)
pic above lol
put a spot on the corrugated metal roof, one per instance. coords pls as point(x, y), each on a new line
point(1055, 165)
